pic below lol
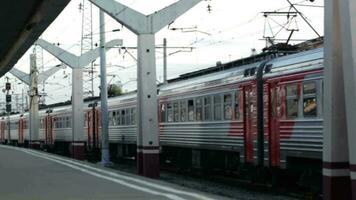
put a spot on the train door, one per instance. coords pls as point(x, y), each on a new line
point(93, 128)
point(49, 133)
point(276, 94)
point(89, 120)
point(97, 128)
point(250, 122)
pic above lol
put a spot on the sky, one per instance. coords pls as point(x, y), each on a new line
point(228, 32)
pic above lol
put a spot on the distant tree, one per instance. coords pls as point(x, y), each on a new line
point(114, 90)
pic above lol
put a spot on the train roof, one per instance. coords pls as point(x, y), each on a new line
point(306, 60)
point(277, 51)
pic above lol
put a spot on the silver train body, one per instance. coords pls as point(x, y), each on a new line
point(216, 112)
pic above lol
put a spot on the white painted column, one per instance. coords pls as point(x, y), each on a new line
point(145, 28)
point(147, 129)
point(77, 63)
point(78, 137)
point(347, 11)
point(34, 116)
point(339, 87)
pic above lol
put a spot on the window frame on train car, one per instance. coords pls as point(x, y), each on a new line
point(191, 117)
point(313, 95)
point(128, 116)
point(226, 105)
point(183, 106)
point(169, 110)
point(133, 115)
point(111, 118)
point(118, 117)
point(176, 111)
point(295, 97)
point(217, 107)
point(199, 109)
point(68, 121)
point(237, 115)
point(123, 116)
point(163, 111)
point(207, 110)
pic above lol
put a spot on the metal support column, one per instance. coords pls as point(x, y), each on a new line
point(105, 151)
point(165, 61)
point(145, 28)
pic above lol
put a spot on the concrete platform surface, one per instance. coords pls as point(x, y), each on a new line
point(29, 174)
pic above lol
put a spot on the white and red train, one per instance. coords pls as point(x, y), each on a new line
point(267, 112)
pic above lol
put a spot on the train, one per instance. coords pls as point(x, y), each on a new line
point(264, 110)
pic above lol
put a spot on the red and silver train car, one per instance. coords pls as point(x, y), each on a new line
point(267, 112)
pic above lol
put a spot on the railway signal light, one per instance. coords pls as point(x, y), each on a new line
point(8, 108)
point(8, 86)
point(8, 98)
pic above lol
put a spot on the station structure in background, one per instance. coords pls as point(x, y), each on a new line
point(339, 149)
point(145, 27)
point(32, 80)
point(77, 63)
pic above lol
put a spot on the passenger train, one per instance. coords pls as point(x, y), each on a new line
point(251, 111)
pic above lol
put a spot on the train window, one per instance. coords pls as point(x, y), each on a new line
point(176, 111)
point(133, 116)
point(292, 101)
point(123, 119)
point(292, 90)
point(237, 106)
point(169, 112)
point(57, 122)
point(163, 112)
point(61, 122)
point(227, 106)
point(199, 109)
point(128, 116)
point(118, 117)
point(217, 107)
point(309, 100)
point(68, 120)
point(112, 118)
point(183, 111)
point(54, 122)
point(191, 110)
point(207, 108)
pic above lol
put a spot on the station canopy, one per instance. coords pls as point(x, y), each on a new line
point(21, 23)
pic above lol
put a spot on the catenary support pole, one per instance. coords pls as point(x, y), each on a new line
point(145, 28)
point(105, 153)
point(165, 61)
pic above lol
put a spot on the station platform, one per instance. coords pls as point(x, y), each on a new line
point(31, 174)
